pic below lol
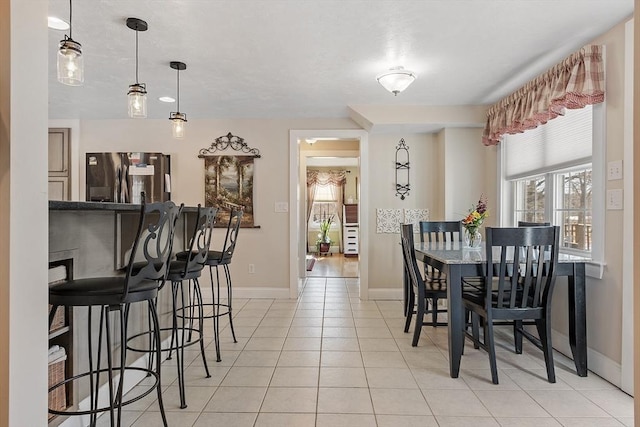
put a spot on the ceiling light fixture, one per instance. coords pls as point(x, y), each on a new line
point(396, 79)
point(311, 141)
point(178, 119)
point(166, 99)
point(56, 23)
point(70, 61)
point(138, 91)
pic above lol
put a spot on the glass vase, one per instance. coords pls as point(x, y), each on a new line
point(472, 238)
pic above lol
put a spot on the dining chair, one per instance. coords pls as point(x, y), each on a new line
point(420, 291)
point(434, 232)
point(522, 282)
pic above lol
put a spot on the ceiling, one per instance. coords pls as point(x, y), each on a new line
point(313, 58)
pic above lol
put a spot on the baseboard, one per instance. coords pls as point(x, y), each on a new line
point(253, 292)
point(597, 362)
point(385, 294)
point(132, 379)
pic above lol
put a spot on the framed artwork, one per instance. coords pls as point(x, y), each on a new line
point(228, 179)
point(228, 185)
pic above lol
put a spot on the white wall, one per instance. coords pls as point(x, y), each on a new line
point(385, 259)
point(464, 173)
point(23, 213)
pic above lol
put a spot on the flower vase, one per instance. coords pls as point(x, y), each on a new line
point(472, 238)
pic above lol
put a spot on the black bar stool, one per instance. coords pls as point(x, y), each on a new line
point(188, 268)
point(221, 259)
point(153, 243)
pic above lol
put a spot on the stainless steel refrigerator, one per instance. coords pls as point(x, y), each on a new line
point(121, 177)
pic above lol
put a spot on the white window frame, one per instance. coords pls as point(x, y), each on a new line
point(506, 190)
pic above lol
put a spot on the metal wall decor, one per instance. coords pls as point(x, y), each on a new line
point(228, 178)
point(229, 140)
point(402, 170)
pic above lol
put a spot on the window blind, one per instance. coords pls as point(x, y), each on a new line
point(560, 143)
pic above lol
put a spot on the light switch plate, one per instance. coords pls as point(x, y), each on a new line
point(614, 199)
point(281, 207)
point(614, 170)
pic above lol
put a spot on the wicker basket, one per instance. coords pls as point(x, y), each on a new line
point(58, 319)
point(57, 397)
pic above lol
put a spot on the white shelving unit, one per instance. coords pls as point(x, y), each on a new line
point(350, 229)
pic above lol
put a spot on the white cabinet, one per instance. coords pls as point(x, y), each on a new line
point(350, 236)
point(350, 230)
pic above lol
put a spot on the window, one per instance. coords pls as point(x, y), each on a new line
point(548, 175)
point(325, 204)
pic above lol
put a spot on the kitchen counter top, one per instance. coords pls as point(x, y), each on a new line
point(65, 205)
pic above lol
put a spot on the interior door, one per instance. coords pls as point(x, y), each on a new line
point(59, 160)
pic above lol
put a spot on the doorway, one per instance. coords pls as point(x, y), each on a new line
point(337, 140)
point(331, 205)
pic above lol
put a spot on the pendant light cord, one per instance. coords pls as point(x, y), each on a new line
point(178, 89)
point(70, 19)
point(136, 55)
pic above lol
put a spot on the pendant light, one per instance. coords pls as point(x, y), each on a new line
point(70, 60)
point(178, 119)
point(138, 91)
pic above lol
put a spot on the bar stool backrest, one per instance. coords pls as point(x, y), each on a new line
point(230, 239)
point(201, 239)
point(153, 243)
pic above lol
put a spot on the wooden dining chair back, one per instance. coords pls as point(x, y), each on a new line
point(521, 268)
point(420, 292)
point(440, 231)
point(533, 224)
point(436, 232)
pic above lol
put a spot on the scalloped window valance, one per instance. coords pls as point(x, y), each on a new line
point(321, 178)
point(574, 83)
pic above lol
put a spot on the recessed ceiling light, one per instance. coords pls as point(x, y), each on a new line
point(57, 24)
point(167, 99)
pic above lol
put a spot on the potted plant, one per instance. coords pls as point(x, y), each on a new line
point(324, 241)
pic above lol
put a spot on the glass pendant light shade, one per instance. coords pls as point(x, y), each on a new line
point(137, 101)
point(70, 60)
point(70, 63)
point(178, 119)
point(396, 79)
point(138, 91)
point(178, 124)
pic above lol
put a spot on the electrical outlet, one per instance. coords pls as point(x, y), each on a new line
point(252, 268)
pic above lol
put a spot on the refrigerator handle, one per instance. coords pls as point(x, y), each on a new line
point(124, 184)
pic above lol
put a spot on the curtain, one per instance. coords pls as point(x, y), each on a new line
point(311, 196)
point(336, 180)
point(574, 83)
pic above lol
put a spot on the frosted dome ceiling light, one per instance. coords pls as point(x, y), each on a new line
point(396, 79)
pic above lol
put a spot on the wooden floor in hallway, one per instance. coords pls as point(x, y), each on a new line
point(334, 265)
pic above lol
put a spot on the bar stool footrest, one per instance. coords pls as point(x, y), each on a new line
point(116, 370)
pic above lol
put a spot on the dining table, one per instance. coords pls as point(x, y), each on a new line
point(456, 261)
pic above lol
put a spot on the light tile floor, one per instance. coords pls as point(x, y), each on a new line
point(331, 360)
